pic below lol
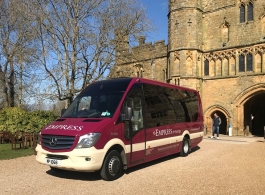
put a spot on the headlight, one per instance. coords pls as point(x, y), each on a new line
point(38, 138)
point(88, 140)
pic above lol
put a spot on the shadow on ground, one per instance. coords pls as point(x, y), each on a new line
point(94, 176)
point(160, 160)
point(75, 175)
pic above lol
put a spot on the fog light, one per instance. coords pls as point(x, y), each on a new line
point(88, 159)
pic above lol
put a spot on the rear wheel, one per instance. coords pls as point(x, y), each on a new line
point(185, 148)
point(112, 166)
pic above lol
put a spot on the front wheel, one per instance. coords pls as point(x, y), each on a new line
point(185, 148)
point(112, 166)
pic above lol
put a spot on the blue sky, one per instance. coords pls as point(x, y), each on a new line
point(157, 11)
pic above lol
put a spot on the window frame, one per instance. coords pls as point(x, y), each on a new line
point(206, 67)
point(242, 14)
point(250, 12)
point(241, 64)
point(249, 60)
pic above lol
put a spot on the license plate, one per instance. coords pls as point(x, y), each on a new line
point(53, 162)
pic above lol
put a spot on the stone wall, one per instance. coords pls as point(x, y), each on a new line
point(146, 60)
point(227, 94)
point(227, 15)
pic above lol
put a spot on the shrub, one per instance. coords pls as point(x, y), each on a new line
point(16, 119)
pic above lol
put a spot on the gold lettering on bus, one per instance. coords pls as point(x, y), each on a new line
point(162, 132)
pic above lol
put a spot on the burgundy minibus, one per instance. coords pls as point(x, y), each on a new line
point(119, 123)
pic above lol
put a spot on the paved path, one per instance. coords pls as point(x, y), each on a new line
point(229, 166)
point(240, 139)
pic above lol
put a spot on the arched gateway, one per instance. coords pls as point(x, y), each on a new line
point(247, 109)
point(250, 109)
point(222, 113)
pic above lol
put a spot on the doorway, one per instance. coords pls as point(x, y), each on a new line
point(223, 129)
point(254, 114)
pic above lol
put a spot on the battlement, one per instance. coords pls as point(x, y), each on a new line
point(213, 6)
point(149, 46)
point(202, 5)
point(180, 4)
point(144, 50)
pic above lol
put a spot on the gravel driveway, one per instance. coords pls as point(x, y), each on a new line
point(215, 167)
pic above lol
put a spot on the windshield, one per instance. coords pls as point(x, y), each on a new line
point(94, 105)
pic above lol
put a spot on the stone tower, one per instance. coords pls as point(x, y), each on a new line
point(185, 42)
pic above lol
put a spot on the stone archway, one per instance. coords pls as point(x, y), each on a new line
point(222, 113)
point(254, 114)
point(223, 129)
point(251, 103)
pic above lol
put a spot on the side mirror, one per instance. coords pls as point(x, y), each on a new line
point(62, 111)
point(127, 114)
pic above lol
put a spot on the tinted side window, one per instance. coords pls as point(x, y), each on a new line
point(186, 105)
point(159, 109)
point(180, 111)
point(168, 106)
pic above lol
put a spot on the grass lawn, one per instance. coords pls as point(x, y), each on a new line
point(6, 152)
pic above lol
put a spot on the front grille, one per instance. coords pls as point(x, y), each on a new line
point(57, 142)
point(57, 157)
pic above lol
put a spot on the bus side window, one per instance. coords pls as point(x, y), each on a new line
point(134, 101)
point(137, 114)
point(158, 106)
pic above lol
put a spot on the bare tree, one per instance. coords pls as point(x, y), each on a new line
point(16, 46)
point(77, 40)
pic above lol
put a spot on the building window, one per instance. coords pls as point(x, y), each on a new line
point(246, 12)
point(242, 13)
point(250, 11)
point(263, 25)
point(139, 70)
point(206, 67)
point(249, 62)
point(140, 74)
point(241, 63)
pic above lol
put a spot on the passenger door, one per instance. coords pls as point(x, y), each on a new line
point(134, 129)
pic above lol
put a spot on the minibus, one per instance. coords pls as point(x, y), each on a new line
point(119, 123)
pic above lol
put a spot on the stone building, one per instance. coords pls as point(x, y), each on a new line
point(216, 47)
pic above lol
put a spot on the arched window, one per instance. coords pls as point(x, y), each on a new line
point(242, 13)
point(250, 11)
point(263, 25)
point(241, 63)
point(139, 70)
point(206, 67)
point(225, 34)
point(249, 62)
point(140, 73)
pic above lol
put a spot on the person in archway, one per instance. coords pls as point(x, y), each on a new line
point(216, 124)
point(251, 123)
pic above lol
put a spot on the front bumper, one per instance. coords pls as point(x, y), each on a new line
point(77, 159)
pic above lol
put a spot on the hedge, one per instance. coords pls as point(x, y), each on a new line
point(16, 119)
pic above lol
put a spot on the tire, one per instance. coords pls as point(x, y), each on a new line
point(112, 166)
point(185, 148)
